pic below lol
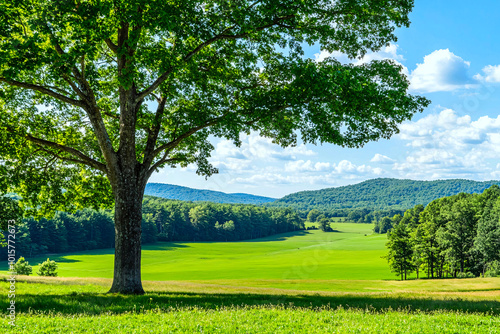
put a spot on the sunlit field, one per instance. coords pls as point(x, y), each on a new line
point(326, 282)
point(352, 252)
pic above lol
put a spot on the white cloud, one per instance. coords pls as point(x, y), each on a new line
point(492, 74)
point(306, 166)
point(254, 147)
point(441, 70)
point(382, 159)
point(446, 144)
point(388, 52)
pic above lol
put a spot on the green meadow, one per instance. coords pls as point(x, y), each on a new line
point(300, 282)
point(351, 252)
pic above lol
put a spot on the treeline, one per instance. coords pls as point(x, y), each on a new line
point(163, 220)
point(455, 236)
point(187, 221)
point(84, 230)
point(379, 194)
point(359, 216)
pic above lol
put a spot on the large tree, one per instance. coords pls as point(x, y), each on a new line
point(96, 95)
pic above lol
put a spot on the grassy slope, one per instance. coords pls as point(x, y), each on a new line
point(303, 255)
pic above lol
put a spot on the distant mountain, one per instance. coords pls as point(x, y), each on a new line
point(379, 194)
point(171, 191)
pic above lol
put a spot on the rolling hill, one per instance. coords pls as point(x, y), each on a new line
point(379, 194)
point(171, 191)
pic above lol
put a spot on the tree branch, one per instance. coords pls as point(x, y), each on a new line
point(44, 90)
point(57, 156)
point(153, 134)
point(218, 37)
point(172, 144)
point(112, 46)
point(161, 162)
point(82, 158)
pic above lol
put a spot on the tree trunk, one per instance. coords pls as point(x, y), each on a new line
point(128, 218)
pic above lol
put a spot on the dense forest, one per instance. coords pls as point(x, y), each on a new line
point(163, 220)
point(170, 191)
point(378, 194)
point(457, 236)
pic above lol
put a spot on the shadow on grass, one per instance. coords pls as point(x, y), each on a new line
point(96, 303)
point(165, 245)
point(280, 237)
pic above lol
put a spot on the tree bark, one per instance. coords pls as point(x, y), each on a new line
point(128, 218)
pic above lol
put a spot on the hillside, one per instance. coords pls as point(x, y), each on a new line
point(171, 191)
point(381, 194)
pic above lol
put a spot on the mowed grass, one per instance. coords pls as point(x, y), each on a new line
point(351, 252)
point(303, 282)
point(76, 305)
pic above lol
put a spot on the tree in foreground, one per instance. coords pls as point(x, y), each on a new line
point(98, 95)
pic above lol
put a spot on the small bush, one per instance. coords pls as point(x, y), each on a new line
point(493, 269)
point(47, 268)
point(466, 275)
point(22, 267)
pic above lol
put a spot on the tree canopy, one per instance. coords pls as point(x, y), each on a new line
point(96, 95)
point(196, 69)
point(457, 235)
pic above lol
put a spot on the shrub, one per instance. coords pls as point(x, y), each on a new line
point(493, 269)
point(47, 268)
point(466, 275)
point(22, 267)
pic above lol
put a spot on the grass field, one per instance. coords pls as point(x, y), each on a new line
point(352, 252)
point(78, 305)
point(303, 282)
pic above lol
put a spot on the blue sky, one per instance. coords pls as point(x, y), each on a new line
point(451, 55)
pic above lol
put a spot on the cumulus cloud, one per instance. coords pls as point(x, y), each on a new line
point(491, 74)
point(447, 144)
point(254, 146)
point(441, 70)
point(382, 159)
point(388, 52)
point(306, 166)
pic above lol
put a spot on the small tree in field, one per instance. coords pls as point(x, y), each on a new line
point(95, 96)
point(47, 268)
point(324, 225)
point(400, 256)
point(22, 267)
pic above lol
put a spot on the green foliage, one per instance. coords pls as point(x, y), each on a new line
point(400, 249)
point(493, 269)
point(162, 220)
point(324, 225)
point(22, 267)
point(173, 76)
point(455, 236)
point(465, 275)
point(378, 194)
point(47, 268)
point(9, 211)
point(313, 215)
point(384, 225)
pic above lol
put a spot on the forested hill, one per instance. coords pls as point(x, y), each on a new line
point(379, 194)
point(171, 191)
